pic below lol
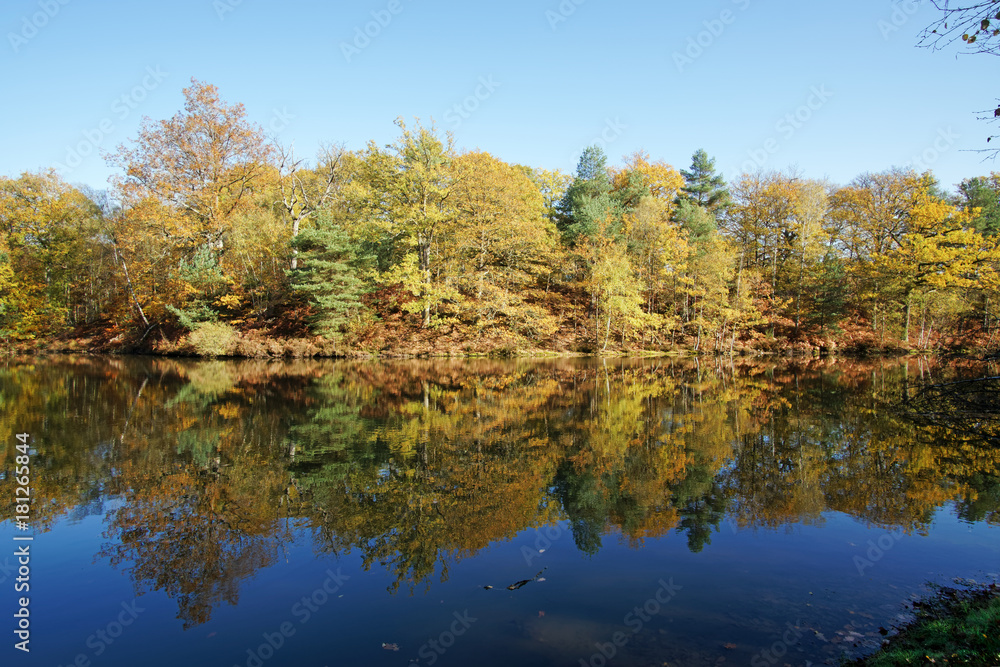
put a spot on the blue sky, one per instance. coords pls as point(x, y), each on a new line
point(832, 90)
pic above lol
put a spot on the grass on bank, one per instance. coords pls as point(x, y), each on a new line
point(952, 627)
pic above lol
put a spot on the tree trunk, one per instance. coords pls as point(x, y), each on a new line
point(920, 336)
point(798, 293)
point(597, 324)
point(128, 282)
point(295, 253)
point(425, 268)
point(906, 329)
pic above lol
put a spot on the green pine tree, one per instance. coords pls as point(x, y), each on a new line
point(330, 274)
point(203, 273)
point(588, 199)
point(982, 193)
point(697, 220)
point(702, 185)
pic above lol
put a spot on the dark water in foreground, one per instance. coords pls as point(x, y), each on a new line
point(627, 512)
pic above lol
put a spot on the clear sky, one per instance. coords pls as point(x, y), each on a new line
point(535, 81)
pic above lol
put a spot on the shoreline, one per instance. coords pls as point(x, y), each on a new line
point(318, 348)
point(954, 626)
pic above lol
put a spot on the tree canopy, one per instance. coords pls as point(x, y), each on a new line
point(216, 240)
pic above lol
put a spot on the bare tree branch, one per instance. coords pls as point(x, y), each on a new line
point(977, 26)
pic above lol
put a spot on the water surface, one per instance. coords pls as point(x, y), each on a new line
point(484, 512)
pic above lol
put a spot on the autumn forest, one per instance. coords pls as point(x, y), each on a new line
point(214, 239)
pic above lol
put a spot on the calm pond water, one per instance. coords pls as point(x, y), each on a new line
point(568, 512)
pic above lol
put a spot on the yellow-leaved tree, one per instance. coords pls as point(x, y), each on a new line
point(56, 269)
point(614, 290)
point(501, 243)
point(188, 183)
point(936, 264)
point(204, 163)
point(401, 199)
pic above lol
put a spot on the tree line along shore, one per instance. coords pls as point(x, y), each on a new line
point(214, 240)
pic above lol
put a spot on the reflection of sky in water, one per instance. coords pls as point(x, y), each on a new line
point(735, 598)
point(807, 580)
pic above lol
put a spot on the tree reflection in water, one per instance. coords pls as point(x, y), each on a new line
point(216, 467)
